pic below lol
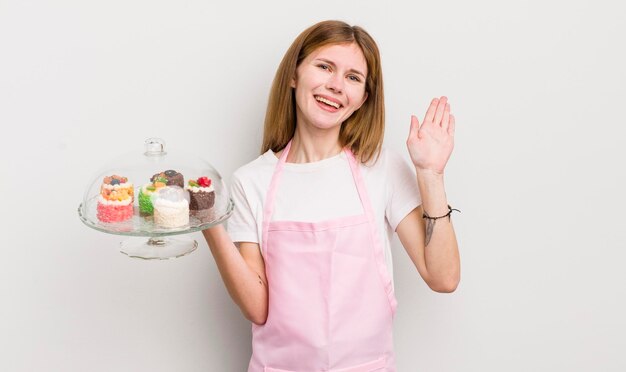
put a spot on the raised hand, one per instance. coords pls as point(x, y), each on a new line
point(431, 143)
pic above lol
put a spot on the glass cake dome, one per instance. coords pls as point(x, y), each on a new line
point(155, 194)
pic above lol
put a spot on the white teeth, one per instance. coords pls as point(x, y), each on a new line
point(324, 100)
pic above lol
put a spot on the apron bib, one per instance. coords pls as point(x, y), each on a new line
point(331, 300)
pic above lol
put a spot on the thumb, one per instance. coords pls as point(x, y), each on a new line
point(415, 126)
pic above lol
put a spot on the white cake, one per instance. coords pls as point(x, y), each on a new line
point(171, 209)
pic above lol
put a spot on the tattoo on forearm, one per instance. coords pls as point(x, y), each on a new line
point(430, 225)
point(430, 222)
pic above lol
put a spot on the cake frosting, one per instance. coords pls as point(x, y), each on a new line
point(145, 196)
point(201, 194)
point(170, 178)
point(102, 200)
point(115, 202)
point(171, 208)
point(200, 189)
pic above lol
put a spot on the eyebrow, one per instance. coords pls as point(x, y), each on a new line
point(333, 64)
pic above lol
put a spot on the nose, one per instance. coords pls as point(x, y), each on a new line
point(335, 83)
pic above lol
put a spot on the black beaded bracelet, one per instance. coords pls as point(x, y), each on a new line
point(450, 209)
point(430, 224)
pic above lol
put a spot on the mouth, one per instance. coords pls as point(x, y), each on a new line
point(328, 102)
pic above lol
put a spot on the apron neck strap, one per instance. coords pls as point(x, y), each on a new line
point(271, 193)
point(360, 184)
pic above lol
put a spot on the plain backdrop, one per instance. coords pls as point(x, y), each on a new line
point(538, 89)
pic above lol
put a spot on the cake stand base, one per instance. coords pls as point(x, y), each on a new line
point(162, 248)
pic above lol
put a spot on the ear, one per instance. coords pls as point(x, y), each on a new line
point(292, 82)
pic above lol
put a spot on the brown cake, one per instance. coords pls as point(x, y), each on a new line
point(172, 177)
point(201, 195)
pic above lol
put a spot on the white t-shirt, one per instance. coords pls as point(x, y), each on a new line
point(322, 190)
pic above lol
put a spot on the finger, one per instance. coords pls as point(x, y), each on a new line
point(430, 113)
point(445, 121)
point(415, 127)
point(440, 108)
point(452, 126)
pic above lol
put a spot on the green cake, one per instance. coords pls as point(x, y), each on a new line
point(145, 196)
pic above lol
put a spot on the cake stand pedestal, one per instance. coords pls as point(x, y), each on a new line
point(161, 248)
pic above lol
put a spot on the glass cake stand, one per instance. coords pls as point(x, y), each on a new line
point(147, 240)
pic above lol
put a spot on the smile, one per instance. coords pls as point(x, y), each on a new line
point(328, 102)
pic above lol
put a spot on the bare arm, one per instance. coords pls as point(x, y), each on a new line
point(438, 261)
point(243, 272)
point(434, 252)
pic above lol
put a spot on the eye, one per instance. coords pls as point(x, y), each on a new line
point(323, 66)
point(354, 78)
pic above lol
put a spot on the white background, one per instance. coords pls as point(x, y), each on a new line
point(538, 89)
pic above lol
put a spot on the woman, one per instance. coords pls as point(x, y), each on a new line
point(314, 213)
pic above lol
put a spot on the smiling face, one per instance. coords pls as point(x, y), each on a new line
point(330, 86)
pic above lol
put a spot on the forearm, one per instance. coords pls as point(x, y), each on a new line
point(441, 254)
point(243, 283)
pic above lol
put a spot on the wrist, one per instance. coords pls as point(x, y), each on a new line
point(432, 192)
point(429, 178)
point(425, 215)
point(428, 172)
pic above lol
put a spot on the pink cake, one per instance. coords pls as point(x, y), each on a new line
point(115, 202)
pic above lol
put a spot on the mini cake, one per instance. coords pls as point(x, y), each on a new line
point(115, 202)
point(171, 208)
point(201, 195)
point(145, 195)
point(172, 177)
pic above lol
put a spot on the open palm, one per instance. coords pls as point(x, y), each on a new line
point(430, 144)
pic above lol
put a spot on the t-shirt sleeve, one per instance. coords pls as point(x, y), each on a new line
point(402, 191)
point(242, 226)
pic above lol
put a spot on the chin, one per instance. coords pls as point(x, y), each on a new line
point(326, 125)
point(325, 122)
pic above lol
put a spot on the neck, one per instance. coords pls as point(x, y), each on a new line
point(310, 146)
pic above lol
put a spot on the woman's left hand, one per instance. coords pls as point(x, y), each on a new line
point(430, 144)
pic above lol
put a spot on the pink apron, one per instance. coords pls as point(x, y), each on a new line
point(331, 300)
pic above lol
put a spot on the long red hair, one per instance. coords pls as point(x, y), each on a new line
point(363, 131)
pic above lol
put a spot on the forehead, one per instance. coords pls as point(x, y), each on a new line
point(349, 56)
